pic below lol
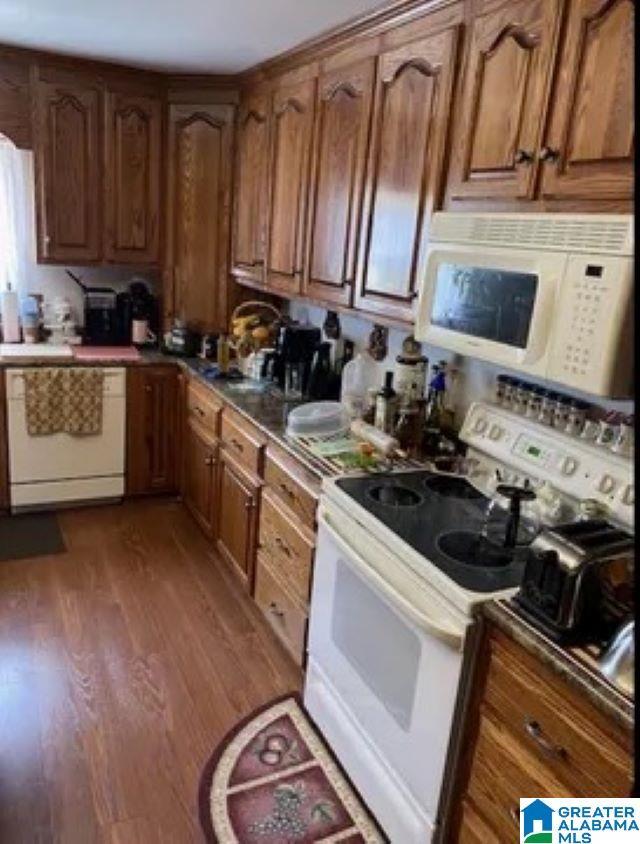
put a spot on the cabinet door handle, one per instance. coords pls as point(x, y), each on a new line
point(198, 410)
point(514, 814)
point(284, 488)
point(273, 608)
point(548, 154)
point(534, 730)
point(248, 505)
point(523, 156)
point(210, 461)
point(282, 545)
point(147, 388)
point(237, 444)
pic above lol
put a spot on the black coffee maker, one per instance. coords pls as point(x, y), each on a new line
point(290, 363)
point(107, 315)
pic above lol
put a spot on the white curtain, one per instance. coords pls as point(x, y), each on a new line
point(16, 210)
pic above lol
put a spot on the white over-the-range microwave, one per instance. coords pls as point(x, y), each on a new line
point(548, 295)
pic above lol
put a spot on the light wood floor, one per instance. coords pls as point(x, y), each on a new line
point(122, 663)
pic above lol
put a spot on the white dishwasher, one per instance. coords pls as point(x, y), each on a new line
point(62, 468)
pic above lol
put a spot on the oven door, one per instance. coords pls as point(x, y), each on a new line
point(385, 655)
point(492, 303)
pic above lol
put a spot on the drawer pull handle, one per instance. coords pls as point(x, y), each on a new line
point(273, 608)
point(248, 505)
point(523, 156)
point(534, 729)
point(514, 814)
point(548, 154)
point(198, 410)
point(287, 491)
point(210, 461)
point(282, 545)
point(237, 444)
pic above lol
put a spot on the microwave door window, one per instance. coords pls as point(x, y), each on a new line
point(493, 304)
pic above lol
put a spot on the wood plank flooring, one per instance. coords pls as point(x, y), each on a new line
point(122, 663)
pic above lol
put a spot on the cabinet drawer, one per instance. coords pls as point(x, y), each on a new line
point(289, 549)
point(286, 618)
point(242, 440)
point(203, 407)
point(293, 485)
point(502, 771)
point(577, 744)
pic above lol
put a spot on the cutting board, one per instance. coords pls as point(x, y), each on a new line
point(98, 353)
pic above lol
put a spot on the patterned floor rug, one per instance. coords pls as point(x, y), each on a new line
point(273, 780)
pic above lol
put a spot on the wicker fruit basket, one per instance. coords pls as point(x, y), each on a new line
point(253, 327)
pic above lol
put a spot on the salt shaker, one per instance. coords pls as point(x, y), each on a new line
point(607, 430)
point(576, 417)
point(560, 412)
point(547, 403)
point(623, 441)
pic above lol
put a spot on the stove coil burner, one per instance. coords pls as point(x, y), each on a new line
point(392, 495)
point(473, 549)
point(452, 487)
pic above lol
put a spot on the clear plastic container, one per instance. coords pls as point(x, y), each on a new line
point(318, 419)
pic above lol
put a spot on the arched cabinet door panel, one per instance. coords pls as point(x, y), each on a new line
point(68, 174)
point(589, 148)
point(133, 138)
point(198, 213)
point(404, 173)
point(503, 96)
point(290, 145)
point(250, 195)
point(343, 116)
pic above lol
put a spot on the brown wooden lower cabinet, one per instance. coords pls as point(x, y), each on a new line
point(200, 479)
point(152, 421)
point(238, 499)
point(286, 615)
point(529, 733)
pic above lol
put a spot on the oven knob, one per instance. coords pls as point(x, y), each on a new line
point(480, 425)
point(495, 432)
point(628, 495)
point(606, 484)
point(568, 465)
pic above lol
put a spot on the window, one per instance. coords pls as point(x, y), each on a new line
point(16, 215)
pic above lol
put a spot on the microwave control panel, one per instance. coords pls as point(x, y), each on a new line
point(574, 468)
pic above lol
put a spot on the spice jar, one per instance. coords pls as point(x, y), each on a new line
point(532, 410)
point(576, 417)
point(500, 388)
point(547, 405)
point(560, 412)
point(509, 392)
point(520, 397)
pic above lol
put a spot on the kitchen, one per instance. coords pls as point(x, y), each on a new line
point(316, 410)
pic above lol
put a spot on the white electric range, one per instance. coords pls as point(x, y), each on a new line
point(400, 565)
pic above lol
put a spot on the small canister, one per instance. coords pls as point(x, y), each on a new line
point(623, 441)
point(521, 397)
point(509, 392)
point(608, 429)
point(576, 417)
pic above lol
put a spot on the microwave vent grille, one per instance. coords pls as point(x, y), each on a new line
point(593, 233)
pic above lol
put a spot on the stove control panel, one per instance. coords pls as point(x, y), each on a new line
point(527, 450)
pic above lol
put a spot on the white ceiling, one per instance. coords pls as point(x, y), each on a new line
point(196, 36)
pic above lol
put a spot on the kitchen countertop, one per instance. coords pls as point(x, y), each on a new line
point(568, 663)
point(265, 407)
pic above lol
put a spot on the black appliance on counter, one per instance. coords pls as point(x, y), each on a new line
point(578, 581)
point(181, 340)
point(107, 315)
point(294, 352)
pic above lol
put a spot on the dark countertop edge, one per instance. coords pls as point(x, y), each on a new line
point(599, 692)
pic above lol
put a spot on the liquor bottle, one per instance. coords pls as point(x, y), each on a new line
point(386, 405)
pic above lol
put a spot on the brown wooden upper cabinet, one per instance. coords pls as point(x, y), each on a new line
point(198, 213)
point(68, 171)
point(588, 151)
point(133, 139)
point(250, 199)
point(289, 154)
point(503, 98)
point(404, 175)
point(98, 161)
point(343, 116)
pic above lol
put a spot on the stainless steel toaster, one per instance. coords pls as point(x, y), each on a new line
point(577, 578)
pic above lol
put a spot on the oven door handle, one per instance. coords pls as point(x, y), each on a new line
point(450, 637)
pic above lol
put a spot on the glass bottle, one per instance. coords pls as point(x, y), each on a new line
point(386, 405)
